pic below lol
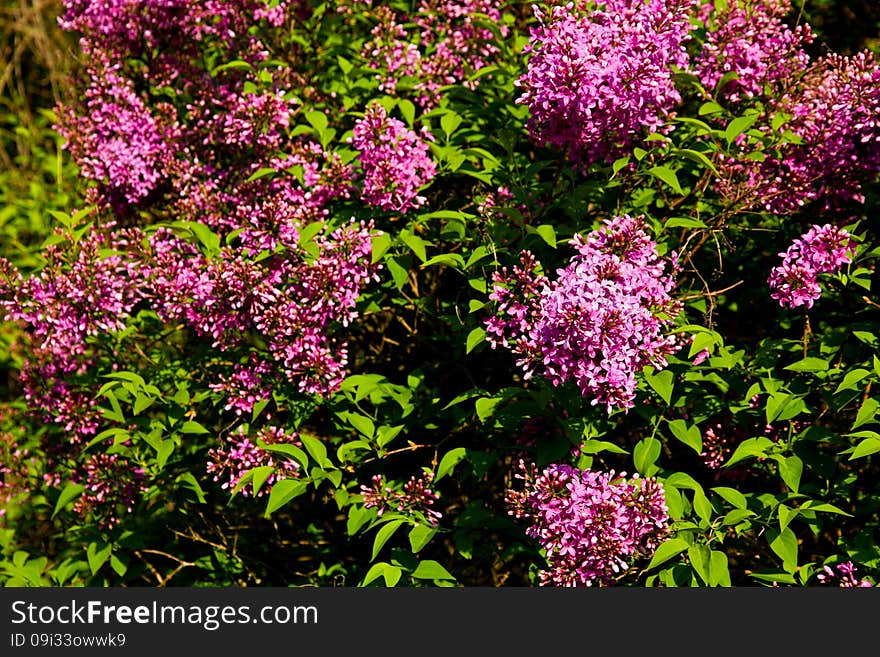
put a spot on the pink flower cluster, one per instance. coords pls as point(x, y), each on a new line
point(599, 80)
point(844, 576)
point(821, 250)
point(452, 45)
point(396, 161)
point(292, 300)
point(241, 453)
point(829, 106)
point(415, 500)
point(750, 41)
point(600, 322)
point(591, 525)
point(113, 485)
point(82, 293)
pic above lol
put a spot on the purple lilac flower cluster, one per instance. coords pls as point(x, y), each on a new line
point(415, 500)
point(830, 139)
point(600, 76)
point(112, 483)
point(442, 44)
point(821, 250)
point(396, 161)
point(600, 322)
point(241, 452)
point(138, 146)
point(834, 114)
point(292, 301)
point(80, 295)
point(592, 525)
point(844, 576)
point(750, 43)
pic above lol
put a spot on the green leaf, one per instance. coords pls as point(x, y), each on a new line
point(291, 451)
point(357, 518)
point(809, 364)
point(689, 435)
point(785, 545)
point(865, 448)
point(645, 454)
point(416, 244)
point(259, 476)
point(380, 244)
point(738, 126)
point(823, 507)
point(283, 492)
point(851, 379)
point(193, 427)
point(719, 573)
point(420, 535)
point(449, 122)
point(749, 448)
point(703, 506)
point(453, 260)
point(431, 570)
point(662, 382)
point(189, 480)
point(209, 239)
point(385, 532)
point(668, 176)
point(97, 557)
point(782, 406)
point(547, 233)
point(485, 407)
point(363, 424)
point(667, 550)
point(684, 222)
point(391, 574)
point(70, 492)
point(593, 446)
point(731, 496)
point(699, 556)
point(696, 156)
point(449, 461)
point(316, 450)
point(867, 412)
point(260, 173)
point(317, 120)
point(790, 469)
point(475, 337)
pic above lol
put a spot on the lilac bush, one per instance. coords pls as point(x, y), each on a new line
point(398, 293)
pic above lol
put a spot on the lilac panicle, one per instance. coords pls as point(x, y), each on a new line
point(241, 452)
point(844, 576)
point(396, 161)
point(821, 250)
point(600, 322)
point(749, 42)
point(592, 525)
point(415, 500)
point(600, 77)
